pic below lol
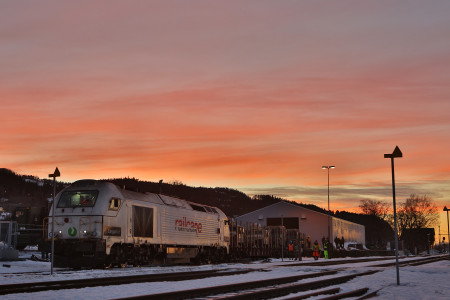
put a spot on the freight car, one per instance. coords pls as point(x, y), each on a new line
point(31, 229)
point(97, 223)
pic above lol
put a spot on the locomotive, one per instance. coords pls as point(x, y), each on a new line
point(98, 224)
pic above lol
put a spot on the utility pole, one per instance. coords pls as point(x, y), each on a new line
point(54, 175)
point(396, 153)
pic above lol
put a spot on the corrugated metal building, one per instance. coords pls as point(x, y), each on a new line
point(311, 223)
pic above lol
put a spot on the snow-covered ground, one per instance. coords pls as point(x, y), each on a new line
point(429, 281)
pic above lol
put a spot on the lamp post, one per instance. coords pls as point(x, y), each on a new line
point(396, 153)
point(448, 233)
point(54, 175)
point(282, 239)
point(328, 169)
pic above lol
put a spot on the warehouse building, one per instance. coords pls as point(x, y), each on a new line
point(312, 224)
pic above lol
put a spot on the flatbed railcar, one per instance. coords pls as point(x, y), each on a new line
point(98, 224)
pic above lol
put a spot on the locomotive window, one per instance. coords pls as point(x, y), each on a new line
point(210, 209)
point(142, 221)
point(114, 204)
point(70, 199)
point(197, 207)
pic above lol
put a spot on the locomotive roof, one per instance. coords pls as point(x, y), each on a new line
point(146, 197)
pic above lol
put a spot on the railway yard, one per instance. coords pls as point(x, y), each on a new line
point(340, 278)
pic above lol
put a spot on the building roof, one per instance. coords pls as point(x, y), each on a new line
point(296, 207)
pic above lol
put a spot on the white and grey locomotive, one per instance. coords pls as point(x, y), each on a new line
point(97, 223)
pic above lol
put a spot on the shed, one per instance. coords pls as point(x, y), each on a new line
point(311, 223)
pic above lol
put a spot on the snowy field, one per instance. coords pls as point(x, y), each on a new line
point(429, 281)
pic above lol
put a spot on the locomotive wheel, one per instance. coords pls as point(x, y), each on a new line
point(123, 257)
point(107, 266)
point(123, 264)
point(108, 262)
point(137, 258)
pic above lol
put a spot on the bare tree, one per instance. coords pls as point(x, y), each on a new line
point(417, 212)
point(374, 208)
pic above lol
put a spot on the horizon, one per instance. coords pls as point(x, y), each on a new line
point(251, 95)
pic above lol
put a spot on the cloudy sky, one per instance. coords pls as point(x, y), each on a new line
point(251, 95)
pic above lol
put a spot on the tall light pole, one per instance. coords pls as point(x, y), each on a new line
point(396, 153)
point(282, 239)
point(448, 232)
point(54, 175)
point(328, 169)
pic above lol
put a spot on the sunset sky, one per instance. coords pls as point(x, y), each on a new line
point(250, 95)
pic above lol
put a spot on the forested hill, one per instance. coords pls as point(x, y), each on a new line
point(24, 190)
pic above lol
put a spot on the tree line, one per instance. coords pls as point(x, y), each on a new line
point(416, 213)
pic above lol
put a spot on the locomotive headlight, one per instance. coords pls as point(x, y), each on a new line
point(89, 233)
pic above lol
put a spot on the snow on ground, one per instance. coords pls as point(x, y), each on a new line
point(429, 281)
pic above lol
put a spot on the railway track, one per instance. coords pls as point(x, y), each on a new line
point(265, 289)
point(272, 288)
point(105, 281)
point(344, 261)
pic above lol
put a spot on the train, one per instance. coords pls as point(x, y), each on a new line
point(99, 224)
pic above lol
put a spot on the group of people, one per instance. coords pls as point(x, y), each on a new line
point(339, 242)
point(295, 252)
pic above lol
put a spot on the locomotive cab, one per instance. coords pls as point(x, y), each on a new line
point(78, 224)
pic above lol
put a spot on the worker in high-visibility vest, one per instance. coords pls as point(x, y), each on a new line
point(316, 250)
point(291, 250)
point(325, 249)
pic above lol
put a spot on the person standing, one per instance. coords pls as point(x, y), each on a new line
point(325, 250)
point(316, 250)
point(291, 250)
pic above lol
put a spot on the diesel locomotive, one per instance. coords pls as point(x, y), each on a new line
point(98, 224)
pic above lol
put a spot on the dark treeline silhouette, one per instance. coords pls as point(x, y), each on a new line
point(24, 190)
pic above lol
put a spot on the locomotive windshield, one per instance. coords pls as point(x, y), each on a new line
point(70, 199)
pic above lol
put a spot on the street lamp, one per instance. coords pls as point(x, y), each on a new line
point(328, 170)
point(282, 239)
point(54, 175)
point(448, 233)
point(396, 153)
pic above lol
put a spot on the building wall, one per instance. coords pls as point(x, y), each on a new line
point(352, 232)
point(313, 224)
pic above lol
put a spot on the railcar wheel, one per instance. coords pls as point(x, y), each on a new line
point(108, 263)
point(123, 257)
point(137, 260)
point(137, 257)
